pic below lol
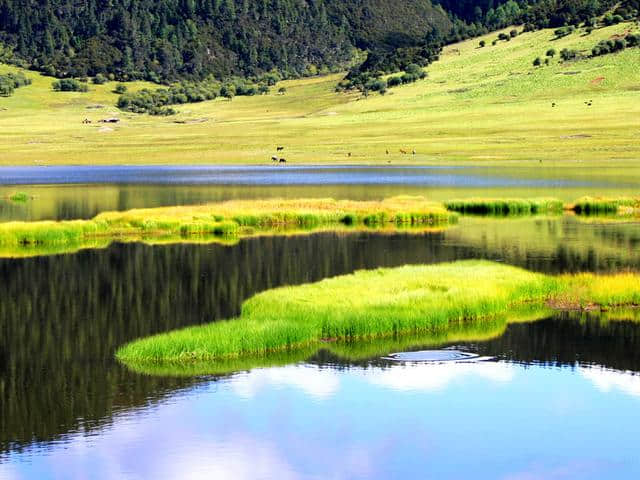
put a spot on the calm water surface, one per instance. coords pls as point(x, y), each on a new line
point(82, 192)
point(558, 398)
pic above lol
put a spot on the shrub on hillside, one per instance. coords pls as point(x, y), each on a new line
point(567, 54)
point(69, 85)
point(10, 81)
point(99, 79)
point(563, 31)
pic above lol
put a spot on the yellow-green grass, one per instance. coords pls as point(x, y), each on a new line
point(589, 291)
point(622, 206)
point(229, 219)
point(606, 205)
point(354, 351)
point(478, 105)
point(364, 305)
point(431, 300)
point(505, 206)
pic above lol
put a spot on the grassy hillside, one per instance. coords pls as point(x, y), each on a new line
point(479, 105)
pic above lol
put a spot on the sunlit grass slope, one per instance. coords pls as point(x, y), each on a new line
point(432, 299)
point(478, 105)
point(232, 219)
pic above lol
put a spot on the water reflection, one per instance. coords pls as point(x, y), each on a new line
point(489, 420)
point(62, 317)
point(72, 192)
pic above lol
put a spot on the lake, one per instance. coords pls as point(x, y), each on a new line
point(72, 192)
point(553, 398)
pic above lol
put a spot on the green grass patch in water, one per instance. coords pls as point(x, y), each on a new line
point(364, 305)
point(232, 219)
point(19, 197)
point(341, 313)
point(505, 206)
point(606, 206)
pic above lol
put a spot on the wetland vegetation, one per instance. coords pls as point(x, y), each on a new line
point(225, 220)
point(64, 316)
point(506, 206)
point(228, 221)
point(147, 304)
point(382, 303)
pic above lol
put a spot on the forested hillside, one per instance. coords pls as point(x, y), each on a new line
point(164, 40)
point(188, 38)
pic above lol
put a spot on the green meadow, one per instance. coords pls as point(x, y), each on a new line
point(383, 303)
point(485, 106)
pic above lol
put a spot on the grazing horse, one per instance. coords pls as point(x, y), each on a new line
point(283, 160)
point(274, 158)
point(279, 148)
point(404, 152)
point(413, 152)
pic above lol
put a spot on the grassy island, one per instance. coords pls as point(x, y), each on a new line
point(231, 220)
point(423, 299)
point(225, 220)
point(505, 206)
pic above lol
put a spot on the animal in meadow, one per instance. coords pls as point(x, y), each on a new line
point(404, 152)
point(279, 148)
point(413, 152)
point(274, 158)
point(283, 160)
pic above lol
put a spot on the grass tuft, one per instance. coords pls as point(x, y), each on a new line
point(19, 197)
point(505, 206)
point(605, 206)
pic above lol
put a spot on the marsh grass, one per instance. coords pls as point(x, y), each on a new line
point(365, 305)
point(19, 197)
point(505, 206)
point(592, 291)
point(439, 301)
point(605, 206)
point(229, 220)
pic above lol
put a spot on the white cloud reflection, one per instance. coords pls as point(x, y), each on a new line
point(436, 376)
point(317, 382)
point(609, 380)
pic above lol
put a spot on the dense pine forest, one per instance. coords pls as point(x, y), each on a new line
point(188, 38)
point(165, 40)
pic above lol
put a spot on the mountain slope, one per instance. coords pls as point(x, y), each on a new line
point(478, 106)
point(167, 39)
